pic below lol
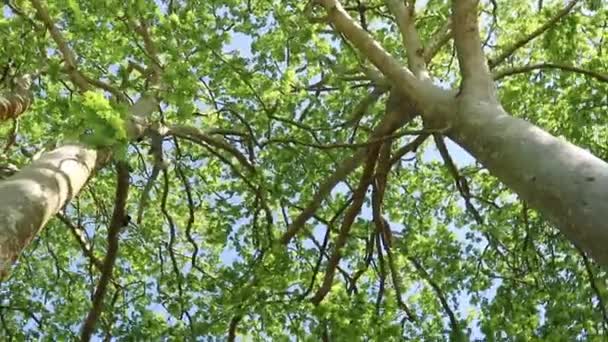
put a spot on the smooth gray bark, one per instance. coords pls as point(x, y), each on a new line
point(566, 183)
point(33, 195)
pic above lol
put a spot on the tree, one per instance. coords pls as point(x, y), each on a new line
point(276, 169)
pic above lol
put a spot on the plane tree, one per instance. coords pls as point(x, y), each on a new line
point(321, 170)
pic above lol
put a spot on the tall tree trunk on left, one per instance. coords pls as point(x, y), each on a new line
point(29, 198)
point(32, 196)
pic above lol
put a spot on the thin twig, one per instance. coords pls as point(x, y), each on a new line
point(84, 244)
point(600, 300)
point(355, 145)
point(455, 325)
point(526, 68)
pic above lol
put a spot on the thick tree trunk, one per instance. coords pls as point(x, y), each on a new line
point(562, 181)
point(567, 184)
point(32, 196)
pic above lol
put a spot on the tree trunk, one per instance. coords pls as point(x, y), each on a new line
point(31, 197)
point(564, 182)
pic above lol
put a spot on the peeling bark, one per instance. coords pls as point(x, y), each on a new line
point(14, 104)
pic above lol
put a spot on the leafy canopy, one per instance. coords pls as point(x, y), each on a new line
point(281, 90)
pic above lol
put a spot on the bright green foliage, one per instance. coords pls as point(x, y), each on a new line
point(95, 122)
point(276, 86)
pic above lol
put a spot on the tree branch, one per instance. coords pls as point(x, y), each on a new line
point(399, 112)
point(346, 167)
point(116, 224)
point(395, 277)
point(421, 90)
point(232, 327)
point(382, 227)
point(457, 333)
point(84, 244)
point(438, 40)
point(355, 145)
point(196, 135)
point(82, 81)
point(150, 49)
point(494, 61)
point(412, 146)
point(460, 181)
point(476, 78)
point(381, 274)
point(404, 16)
point(156, 149)
point(362, 107)
point(347, 222)
point(68, 55)
point(526, 68)
point(592, 282)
